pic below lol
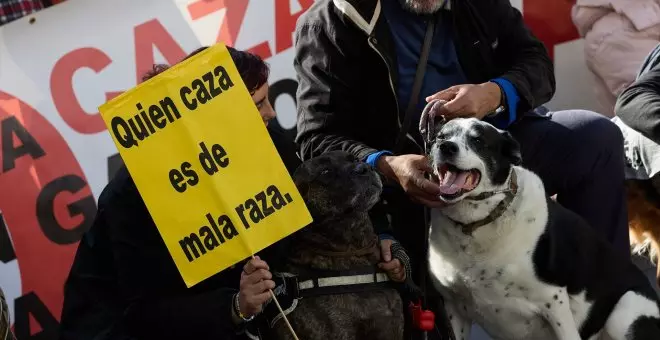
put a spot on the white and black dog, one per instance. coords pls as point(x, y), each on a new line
point(505, 256)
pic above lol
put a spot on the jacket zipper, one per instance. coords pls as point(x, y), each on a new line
point(371, 41)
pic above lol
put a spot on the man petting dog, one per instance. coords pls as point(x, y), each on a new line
point(356, 62)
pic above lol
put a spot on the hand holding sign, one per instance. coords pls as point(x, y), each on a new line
point(204, 164)
point(254, 287)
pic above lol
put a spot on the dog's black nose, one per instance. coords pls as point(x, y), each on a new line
point(448, 148)
point(361, 169)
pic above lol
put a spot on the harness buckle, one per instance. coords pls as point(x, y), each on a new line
point(422, 319)
point(292, 287)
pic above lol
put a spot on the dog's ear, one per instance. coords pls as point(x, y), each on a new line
point(511, 148)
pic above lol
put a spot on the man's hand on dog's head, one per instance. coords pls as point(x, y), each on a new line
point(392, 267)
point(409, 171)
point(469, 100)
point(255, 285)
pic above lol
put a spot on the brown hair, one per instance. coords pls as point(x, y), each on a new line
point(253, 70)
point(156, 69)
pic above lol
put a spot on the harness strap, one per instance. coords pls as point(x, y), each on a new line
point(343, 284)
point(291, 288)
point(327, 282)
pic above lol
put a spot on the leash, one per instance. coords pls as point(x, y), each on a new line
point(427, 131)
point(423, 319)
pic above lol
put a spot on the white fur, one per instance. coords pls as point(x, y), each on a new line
point(488, 277)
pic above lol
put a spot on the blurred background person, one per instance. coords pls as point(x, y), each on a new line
point(618, 35)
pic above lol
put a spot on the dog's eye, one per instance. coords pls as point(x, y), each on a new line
point(325, 172)
point(478, 140)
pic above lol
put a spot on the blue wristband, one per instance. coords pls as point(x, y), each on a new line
point(373, 158)
point(383, 237)
point(508, 116)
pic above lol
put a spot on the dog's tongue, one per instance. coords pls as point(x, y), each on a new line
point(452, 182)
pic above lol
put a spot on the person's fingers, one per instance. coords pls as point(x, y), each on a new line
point(393, 266)
point(455, 107)
point(258, 275)
point(446, 94)
point(428, 187)
point(386, 250)
point(425, 186)
point(264, 286)
point(394, 270)
point(255, 264)
point(399, 277)
point(423, 165)
point(257, 288)
point(260, 299)
point(253, 303)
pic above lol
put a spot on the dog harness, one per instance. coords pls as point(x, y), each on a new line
point(291, 288)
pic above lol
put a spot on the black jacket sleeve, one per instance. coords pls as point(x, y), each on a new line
point(321, 114)
point(528, 65)
point(159, 306)
point(638, 106)
point(203, 316)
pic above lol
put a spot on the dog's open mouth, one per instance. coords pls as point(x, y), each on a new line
point(454, 182)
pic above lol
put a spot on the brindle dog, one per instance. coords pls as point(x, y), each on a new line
point(339, 191)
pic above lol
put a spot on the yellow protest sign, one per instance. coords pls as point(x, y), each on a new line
point(203, 161)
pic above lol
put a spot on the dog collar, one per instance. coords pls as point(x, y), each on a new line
point(510, 193)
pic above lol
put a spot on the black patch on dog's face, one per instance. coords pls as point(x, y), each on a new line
point(496, 149)
point(336, 183)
